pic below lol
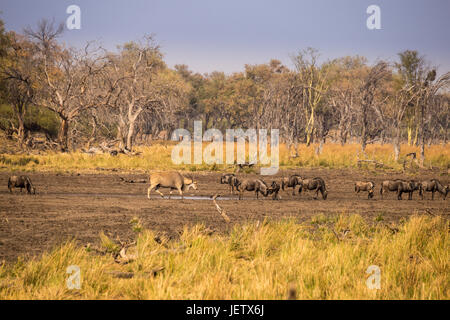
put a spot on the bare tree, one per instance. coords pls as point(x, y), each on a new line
point(314, 80)
point(141, 83)
point(17, 74)
point(369, 90)
point(426, 97)
point(399, 102)
point(68, 77)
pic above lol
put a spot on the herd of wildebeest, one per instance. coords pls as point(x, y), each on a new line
point(176, 181)
point(317, 185)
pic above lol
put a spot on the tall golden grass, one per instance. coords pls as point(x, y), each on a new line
point(158, 157)
point(254, 261)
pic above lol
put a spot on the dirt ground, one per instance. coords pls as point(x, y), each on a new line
point(72, 206)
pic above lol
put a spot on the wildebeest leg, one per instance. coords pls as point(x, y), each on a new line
point(240, 194)
point(399, 195)
point(275, 196)
point(317, 193)
point(293, 191)
point(432, 194)
point(257, 197)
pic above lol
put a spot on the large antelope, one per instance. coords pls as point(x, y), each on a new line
point(291, 182)
point(172, 180)
point(400, 186)
point(432, 186)
point(22, 182)
point(257, 185)
point(317, 184)
point(368, 186)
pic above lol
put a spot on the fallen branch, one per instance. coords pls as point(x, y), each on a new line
point(221, 211)
point(334, 232)
point(133, 181)
point(122, 257)
point(241, 166)
point(393, 230)
point(429, 212)
point(129, 275)
point(376, 163)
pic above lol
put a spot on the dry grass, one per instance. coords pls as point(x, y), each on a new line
point(255, 261)
point(158, 157)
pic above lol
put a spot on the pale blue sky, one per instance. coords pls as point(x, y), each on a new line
point(210, 35)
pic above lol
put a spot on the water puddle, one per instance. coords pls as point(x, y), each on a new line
point(135, 195)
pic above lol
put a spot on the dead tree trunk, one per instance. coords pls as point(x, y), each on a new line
point(397, 143)
point(63, 135)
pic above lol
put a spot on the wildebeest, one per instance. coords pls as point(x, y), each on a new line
point(21, 182)
point(231, 179)
point(274, 189)
point(368, 186)
point(400, 186)
point(432, 186)
point(172, 180)
point(291, 182)
point(317, 184)
point(257, 185)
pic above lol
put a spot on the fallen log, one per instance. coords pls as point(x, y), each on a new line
point(133, 181)
point(376, 163)
point(129, 275)
point(221, 211)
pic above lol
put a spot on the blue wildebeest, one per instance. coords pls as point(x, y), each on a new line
point(257, 185)
point(432, 186)
point(399, 186)
point(368, 186)
point(317, 184)
point(22, 182)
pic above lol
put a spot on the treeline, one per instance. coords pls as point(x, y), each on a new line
point(131, 95)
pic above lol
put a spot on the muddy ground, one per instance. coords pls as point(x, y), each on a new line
point(72, 206)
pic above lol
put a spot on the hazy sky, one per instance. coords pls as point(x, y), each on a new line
point(225, 35)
